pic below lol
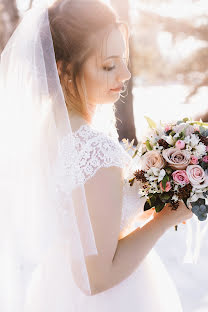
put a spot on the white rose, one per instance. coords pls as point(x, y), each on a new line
point(200, 150)
point(194, 141)
point(168, 139)
point(161, 175)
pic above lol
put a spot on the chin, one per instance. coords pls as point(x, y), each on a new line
point(114, 98)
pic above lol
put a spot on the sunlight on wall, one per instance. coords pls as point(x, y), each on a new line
point(175, 8)
point(162, 102)
point(165, 103)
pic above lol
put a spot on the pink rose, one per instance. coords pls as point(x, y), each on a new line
point(167, 187)
point(176, 158)
point(205, 159)
point(194, 160)
point(196, 128)
point(152, 159)
point(168, 128)
point(180, 177)
point(197, 176)
point(180, 144)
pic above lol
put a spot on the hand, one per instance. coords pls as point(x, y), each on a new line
point(170, 217)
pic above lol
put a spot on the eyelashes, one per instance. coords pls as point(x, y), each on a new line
point(109, 68)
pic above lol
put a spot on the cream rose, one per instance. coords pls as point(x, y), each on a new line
point(197, 176)
point(188, 129)
point(176, 158)
point(152, 159)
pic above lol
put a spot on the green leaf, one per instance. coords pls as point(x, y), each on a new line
point(151, 123)
point(159, 206)
point(153, 198)
point(132, 181)
point(165, 197)
point(200, 123)
point(169, 170)
point(185, 119)
point(172, 133)
point(182, 135)
point(136, 152)
point(164, 181)
point(148, 145)
point(147, 206)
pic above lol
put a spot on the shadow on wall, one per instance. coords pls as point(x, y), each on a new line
point(203, 116)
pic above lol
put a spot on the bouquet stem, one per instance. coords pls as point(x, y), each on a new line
point(176, 228)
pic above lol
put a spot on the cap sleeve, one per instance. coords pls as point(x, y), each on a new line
point(96, 150)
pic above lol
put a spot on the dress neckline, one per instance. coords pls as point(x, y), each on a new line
point(83, 126)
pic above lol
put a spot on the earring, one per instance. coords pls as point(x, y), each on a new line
point(70, 80)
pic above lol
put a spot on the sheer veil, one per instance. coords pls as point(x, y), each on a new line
point(37, 166)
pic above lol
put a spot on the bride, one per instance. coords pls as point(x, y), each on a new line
point(67, 211)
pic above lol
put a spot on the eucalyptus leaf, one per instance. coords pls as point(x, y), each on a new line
point(202, 129)
point(202, 217)
point(206, 133)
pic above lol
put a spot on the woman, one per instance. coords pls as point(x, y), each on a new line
point(70, 210)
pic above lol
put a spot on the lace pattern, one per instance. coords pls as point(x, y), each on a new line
point(96, 150)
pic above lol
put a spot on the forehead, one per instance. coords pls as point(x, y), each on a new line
point(114, 44)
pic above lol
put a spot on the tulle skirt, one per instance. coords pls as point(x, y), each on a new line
point(148, 289)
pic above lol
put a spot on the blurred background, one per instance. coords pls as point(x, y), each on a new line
point(169, 65)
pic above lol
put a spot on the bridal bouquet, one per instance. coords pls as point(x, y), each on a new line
point(172, 165)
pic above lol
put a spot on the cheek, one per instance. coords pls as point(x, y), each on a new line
point(98, 86)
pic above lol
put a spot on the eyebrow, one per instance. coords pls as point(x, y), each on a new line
point(113, 56)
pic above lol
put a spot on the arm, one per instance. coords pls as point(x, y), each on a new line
point(117, 259)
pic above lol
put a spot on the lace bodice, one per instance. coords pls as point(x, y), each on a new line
point(97, 150)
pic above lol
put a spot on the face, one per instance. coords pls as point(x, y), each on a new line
point(106, 72)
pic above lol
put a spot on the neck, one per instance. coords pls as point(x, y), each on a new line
point(75, 115)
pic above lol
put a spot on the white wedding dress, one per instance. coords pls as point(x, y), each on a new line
point(148, 289)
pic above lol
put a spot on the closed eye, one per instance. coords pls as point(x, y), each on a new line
point(109, 68)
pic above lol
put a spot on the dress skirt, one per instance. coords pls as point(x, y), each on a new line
point(148, 289)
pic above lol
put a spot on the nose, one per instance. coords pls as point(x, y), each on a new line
point(124, 74)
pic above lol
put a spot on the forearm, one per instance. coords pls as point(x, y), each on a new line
point(131, 251)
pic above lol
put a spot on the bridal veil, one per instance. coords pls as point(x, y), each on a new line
point(37, 165)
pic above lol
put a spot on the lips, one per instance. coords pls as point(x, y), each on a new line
point(118, 89)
